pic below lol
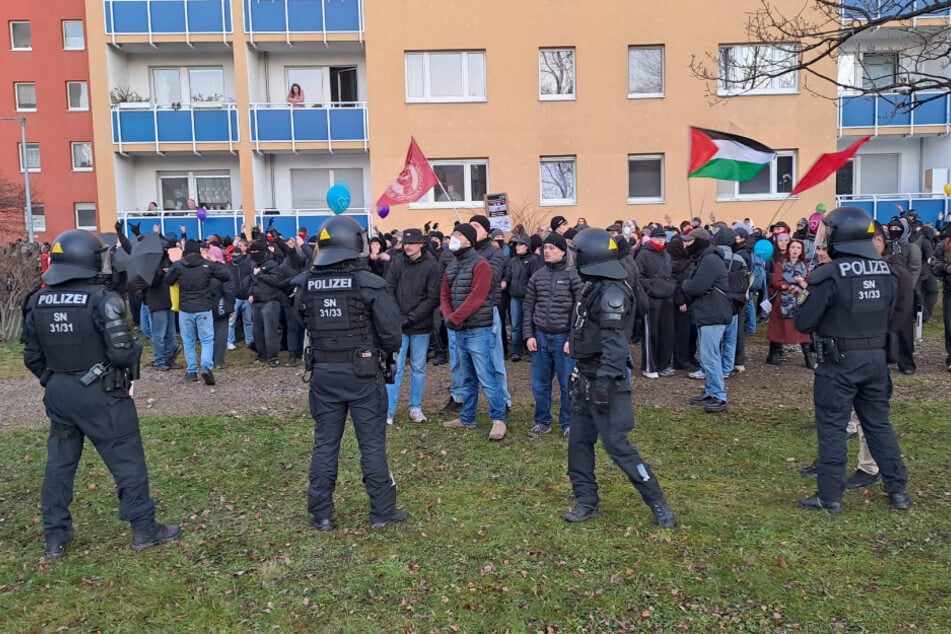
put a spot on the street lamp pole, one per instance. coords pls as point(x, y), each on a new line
point(26, 174)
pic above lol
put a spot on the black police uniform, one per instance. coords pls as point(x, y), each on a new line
point(352, 321)
point(848, 307)
point(601, 390)
point(78, 344)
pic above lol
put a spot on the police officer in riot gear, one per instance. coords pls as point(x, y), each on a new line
point(601, 328)
point(847, 306)
point(77, 342)
point(354, 324)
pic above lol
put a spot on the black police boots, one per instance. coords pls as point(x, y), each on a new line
point(815, 503)
point(399, 515)
point(775, 354)
point(159, 534)
point(900, 501)
point(323, 525)
point(663, 514)
point(56, 547)
point(582, 512)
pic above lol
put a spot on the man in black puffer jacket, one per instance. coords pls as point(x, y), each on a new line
point(268, 293)
point(550, 298)
point(193, 275)
point(520, 268)
point(711, 312)
point(657, 278)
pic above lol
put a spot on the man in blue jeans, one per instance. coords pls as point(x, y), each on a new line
point(196, 300)
point(710, 310)
point(550, 298)
point(157, 298)
point(413, 277)
point(466, 285)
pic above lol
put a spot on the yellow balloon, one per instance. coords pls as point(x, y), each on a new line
point(947, 189)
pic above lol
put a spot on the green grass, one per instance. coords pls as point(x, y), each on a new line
point(11, 361)
point(485, 548)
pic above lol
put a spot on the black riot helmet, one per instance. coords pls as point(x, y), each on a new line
point(596, 254)
point(847, 231)
point(339, 238)
point(75, 255)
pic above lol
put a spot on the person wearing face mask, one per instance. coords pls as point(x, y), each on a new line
point(657, 279)
point(267, 293)
point(711, 312)
point(907, 255)
point(469, 313)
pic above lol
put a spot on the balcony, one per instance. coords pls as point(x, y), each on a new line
point(182, 19)
point(167, 128)
point(892, 113)
point(231, 222)
point(877, 9)
point(327, 19)
point(882, 207)
point(329, 126)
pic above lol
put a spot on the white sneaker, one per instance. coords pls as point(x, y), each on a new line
point(650, 375)
point(739, 368)
point(231, 346)
point(698, 375)
point(389, 421)
point(416, 415)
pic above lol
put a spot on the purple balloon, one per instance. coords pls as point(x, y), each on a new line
point(202, 213)
point(383, 211)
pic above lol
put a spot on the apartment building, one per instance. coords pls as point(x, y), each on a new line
point(46, 83)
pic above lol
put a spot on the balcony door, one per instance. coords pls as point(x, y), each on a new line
point(210, 189)
point(324, 85)
point(188, 85)
point(309, 186)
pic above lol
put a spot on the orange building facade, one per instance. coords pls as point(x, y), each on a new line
point(45, 80)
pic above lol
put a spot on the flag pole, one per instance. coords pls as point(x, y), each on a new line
point(449, 198)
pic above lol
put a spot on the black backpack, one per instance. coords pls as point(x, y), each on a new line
point(739, 282)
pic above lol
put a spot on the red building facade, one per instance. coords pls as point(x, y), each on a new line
point(45, 80)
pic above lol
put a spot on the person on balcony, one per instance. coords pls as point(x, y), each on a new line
point(296, 96)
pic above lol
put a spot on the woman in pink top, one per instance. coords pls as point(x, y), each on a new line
point(296, 96)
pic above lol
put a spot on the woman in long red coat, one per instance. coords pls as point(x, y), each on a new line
point(789, 279)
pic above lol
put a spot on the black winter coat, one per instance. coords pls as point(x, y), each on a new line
point(656, 273)
point(224, 295)
point(550, 298)
point(269, 285)
point(157, 296)
point(708, 306)
point(193, 274)
point(415, 284)
point(519, 270)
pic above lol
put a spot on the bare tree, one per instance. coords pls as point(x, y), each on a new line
point(557, 72)
point(821, 39)
point(558, 180)
point(19, 274)
point(12, 204)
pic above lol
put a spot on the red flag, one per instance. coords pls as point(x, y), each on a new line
point(827, 165)
point(414, 181)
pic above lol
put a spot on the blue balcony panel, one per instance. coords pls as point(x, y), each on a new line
point(133, 126)
point(174, 126)
point(302, 125)
point(889, 8)
point(882, 206)
point(346, 124)
point(229, 223)
point(165, 17)
point(303, 16)
point(310, 124)
point(893, 110)
point(212, 126)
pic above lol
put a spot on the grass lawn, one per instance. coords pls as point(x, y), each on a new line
point(485, 548)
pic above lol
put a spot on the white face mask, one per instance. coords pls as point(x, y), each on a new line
point(454, 244)
point(626, 230)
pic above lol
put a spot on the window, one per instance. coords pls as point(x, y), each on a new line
point(464, 181)
point(211, 189)
point(645, 71)
point(309, 186)
point(645, 178)
point(322, 84)
point(20, 36)
point(775, 180)
point(82, 156)
point(86, 216)
point(879, 70)
point(201, 84)
point(32, 156)
point(878, 173)
point(77, 95)
point(26, 96)
point(445, 77)
point(38, 211)
point(748, 70)
point(73, 37)
point(556, 73)
point(558, 181)
point(845, 179)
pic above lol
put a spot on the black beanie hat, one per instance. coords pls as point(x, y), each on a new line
point(557, 221)
point(482, 220)
point(558, 240)
point(468, 231)
point(191, 246)
point(535, 242)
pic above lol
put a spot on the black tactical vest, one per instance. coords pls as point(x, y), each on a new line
point(337, 317)
point(865, 291)
point(459, 276)
point(586, 323)
point(67, 333)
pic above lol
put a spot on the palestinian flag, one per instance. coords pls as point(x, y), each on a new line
point(726, 157)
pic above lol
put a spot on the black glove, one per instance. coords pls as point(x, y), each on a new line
point(118, 226)
point(601, 392)
point(134, 228)
point(449, 323)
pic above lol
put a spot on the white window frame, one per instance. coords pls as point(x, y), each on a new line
point(643, 200)
point(192, 177)
point(13, 46)
point(427, 80)
point(72, 156)
point(82, 26)
point(77, 207)
point(557, 202)
point(734, 187)
point(16, 95)
point(29, 146)
point(185, 84)
point(573, 95)
point(663, 82)
point(777, 53)
point(429, 201)
point(69, 106)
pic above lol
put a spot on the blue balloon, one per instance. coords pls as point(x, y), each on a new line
point(338, 198)
point(764, 249)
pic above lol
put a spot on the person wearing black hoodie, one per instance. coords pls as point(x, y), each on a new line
point(520, 268)
point(267, 295)
point(195, 321)
point(658, 281)
point(158, 299)
point(685, 334)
